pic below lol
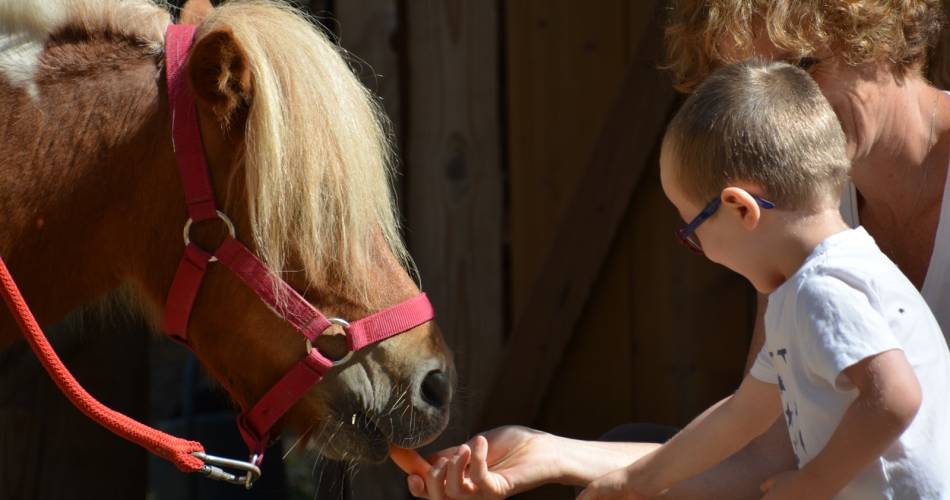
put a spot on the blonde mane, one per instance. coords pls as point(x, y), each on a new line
point(317, 157)
point(317, 160)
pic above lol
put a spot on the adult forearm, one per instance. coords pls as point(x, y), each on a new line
point(584, 461)
point(739, 476)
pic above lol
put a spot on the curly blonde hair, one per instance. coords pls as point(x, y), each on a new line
point(899, 32)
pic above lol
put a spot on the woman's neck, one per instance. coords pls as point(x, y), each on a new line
point(899, 172)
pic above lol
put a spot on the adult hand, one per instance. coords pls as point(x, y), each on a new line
point(493, 465)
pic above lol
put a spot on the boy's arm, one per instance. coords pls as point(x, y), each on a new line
point(716, 434)
point(740, 476)
point(889, 400)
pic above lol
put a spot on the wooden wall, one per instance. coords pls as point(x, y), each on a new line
point(660, 334)
point(527, 133)
point(435, 64)
point(662, 331)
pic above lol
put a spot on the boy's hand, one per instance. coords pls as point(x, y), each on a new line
point(613, 486)
point(495, 465)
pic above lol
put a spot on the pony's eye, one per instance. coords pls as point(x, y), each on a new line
point(807, 63)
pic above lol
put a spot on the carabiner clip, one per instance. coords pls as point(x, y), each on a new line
point(215, 468)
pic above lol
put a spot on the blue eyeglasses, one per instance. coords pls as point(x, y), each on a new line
point(687, 235)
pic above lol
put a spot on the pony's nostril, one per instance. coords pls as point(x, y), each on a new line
point(436, 389)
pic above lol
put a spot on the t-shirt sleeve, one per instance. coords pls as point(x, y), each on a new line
point(837, 326)
point(763, 369)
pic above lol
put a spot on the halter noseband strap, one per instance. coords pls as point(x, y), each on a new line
point(256, 422)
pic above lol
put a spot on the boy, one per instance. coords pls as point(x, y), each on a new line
point(854, 361)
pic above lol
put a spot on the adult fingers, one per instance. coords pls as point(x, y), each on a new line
point(479, 468)
point(447, 453)
point(417, 486)
point(593, 492)
point(455, 475)
point(435, 480)
point(767, 485)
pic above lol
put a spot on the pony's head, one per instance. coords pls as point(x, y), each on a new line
point(299, 158)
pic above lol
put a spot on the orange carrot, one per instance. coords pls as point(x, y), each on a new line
point(409, 461)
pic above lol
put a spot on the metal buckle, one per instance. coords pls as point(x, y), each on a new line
point(214, 468)
point(349, 354)
point(224, 218)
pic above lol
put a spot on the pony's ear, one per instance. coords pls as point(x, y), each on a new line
point(220, 74)
point(195, 11)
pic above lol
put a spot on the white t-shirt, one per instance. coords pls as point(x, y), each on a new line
point(847, 302)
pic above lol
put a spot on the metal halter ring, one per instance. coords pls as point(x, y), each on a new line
point(224, 218)
point(336, 321)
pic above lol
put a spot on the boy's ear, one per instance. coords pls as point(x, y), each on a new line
point(220, 75)
point(738, 201)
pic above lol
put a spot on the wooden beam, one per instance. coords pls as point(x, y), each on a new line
point(372, 32)
point(584, 238)
point(454, 184)
point(369, 30)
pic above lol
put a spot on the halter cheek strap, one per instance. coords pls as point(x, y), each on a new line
point(255, 423)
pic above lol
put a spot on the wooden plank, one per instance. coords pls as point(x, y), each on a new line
point(454, 185)
point(578, 250)
point(371, 31)
point(564, 66)
point(439, 84)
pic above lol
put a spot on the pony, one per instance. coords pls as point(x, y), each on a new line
point(92, 206)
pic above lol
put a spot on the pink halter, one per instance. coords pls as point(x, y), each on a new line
point(256, 422)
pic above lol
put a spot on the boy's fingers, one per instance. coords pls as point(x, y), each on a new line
point(479, 468)
point(435, 480)
point(767, 485)
point(417, 486)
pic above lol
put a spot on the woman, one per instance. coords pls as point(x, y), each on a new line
point(867, 56)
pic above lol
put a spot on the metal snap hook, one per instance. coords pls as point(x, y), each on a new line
point(216, 468)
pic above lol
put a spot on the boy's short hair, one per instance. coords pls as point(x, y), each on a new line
point(766, 123)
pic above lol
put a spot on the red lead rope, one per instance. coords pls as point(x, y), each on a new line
point(176, 450)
